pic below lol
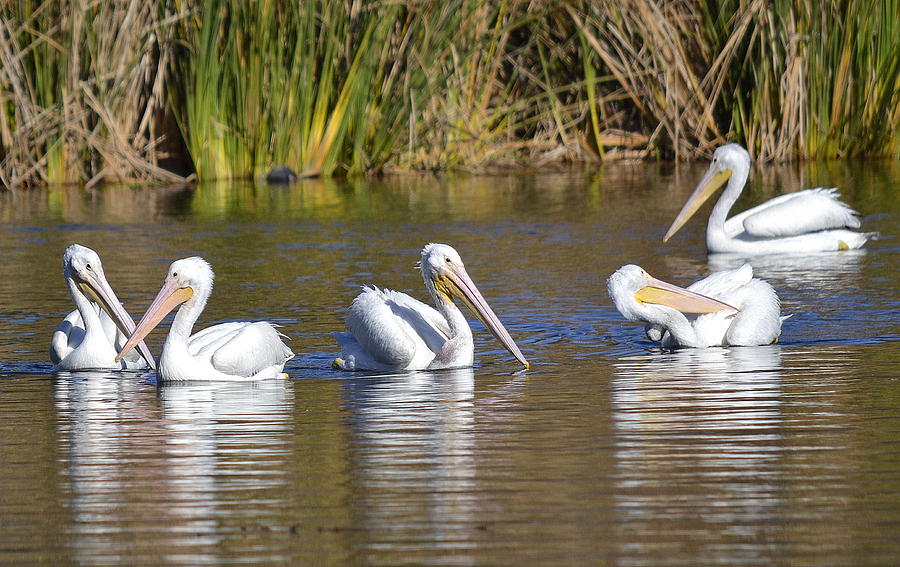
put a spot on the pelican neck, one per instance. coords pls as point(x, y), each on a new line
point(85, 307)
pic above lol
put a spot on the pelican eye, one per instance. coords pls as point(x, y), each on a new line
point(174, 274)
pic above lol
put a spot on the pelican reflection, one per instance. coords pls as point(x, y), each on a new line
point(826, 271)
point(180, 461)
point(698, 435)
point(413, 443)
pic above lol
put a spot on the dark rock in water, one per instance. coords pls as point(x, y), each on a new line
point(281, 175)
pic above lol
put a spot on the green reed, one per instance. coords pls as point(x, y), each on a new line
point(326, 87)
point(854, 79)
point(829, 72)
point(808, 78)
point(300, 84)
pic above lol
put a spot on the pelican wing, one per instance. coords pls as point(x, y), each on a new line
point(794, 214)
point(392, 327)
point(757, 323)
point(725, 285)
point(211, 338)
point(71, 332)
point(242, 349)
point(67, 337)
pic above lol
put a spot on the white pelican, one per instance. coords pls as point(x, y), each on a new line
point(229, 351)
point(389, 330)
point(733, 308)
point(813, 220)
point(90, 336)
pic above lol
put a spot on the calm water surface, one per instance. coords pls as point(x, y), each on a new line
point(608, 452)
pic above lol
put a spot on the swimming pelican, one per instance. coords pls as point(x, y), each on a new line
point(389, 330)
point(229, 351)
point(90, 336)
point(733, 308)
point(813, 220)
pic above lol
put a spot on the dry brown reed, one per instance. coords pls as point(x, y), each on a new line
point(83, 92)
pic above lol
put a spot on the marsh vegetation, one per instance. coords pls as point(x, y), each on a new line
point(132, 90)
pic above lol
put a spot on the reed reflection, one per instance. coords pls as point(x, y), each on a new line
point(699, 435)
point(175, 463)
point(413, 459)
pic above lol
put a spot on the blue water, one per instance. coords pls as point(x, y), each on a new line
point(608, 451)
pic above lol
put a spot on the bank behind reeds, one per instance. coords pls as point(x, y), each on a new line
point(129, 90)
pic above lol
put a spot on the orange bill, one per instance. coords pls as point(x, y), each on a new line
point(659, 292)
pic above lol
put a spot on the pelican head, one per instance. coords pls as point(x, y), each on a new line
point(727, 160)
point(194, 276)
point(638, 296)
point(446, 278)
point(82, 266)
point(189, 280)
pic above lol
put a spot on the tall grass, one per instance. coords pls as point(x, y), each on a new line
point(88, 90)
point(789, 78)
point(482, 102)
point(318, 86)
point(81, 92)
point(328, 87)
point(808, 78)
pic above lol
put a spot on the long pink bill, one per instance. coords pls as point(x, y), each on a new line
point(98, 289)
point(468, 292)
point(704, 190)
point(168, 298)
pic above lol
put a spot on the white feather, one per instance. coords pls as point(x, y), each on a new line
point(88, 337)
point(228, 351)
point(389, 330)
point(813, 220)
point(757, 321)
